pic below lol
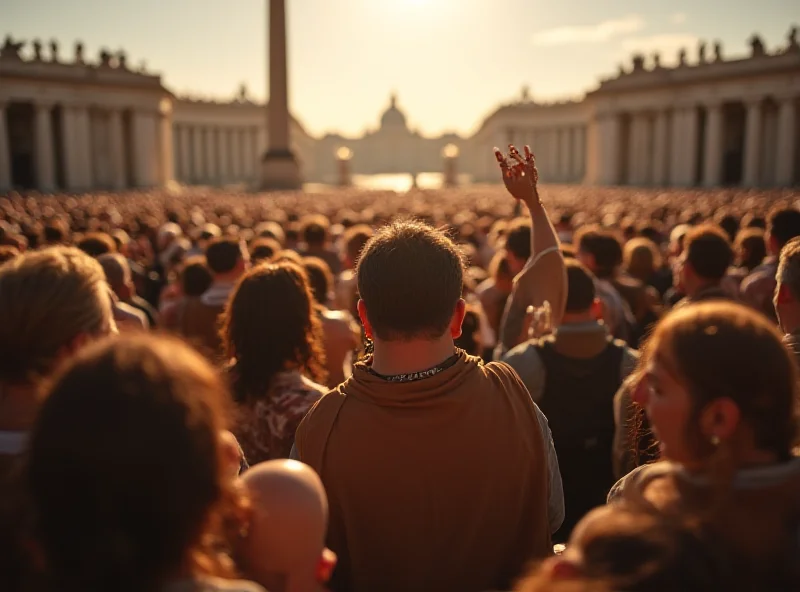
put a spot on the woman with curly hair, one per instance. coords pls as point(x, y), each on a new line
point(273, 339)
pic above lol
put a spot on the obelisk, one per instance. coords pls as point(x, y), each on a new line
point(279, 166)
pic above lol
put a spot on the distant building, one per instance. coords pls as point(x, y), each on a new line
point(74, 125)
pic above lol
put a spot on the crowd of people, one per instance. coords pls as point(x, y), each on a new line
point(495, 388)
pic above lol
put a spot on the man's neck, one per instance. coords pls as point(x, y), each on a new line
point(225, 279)
point(702, 287)
point(403, 357)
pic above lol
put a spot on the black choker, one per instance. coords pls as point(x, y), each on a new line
point(414, 376)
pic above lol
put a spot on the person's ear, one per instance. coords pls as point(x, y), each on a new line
point(560, 568)
point(458, 318)
point(362, 315)
point(720, 419)
point(597, 309)
point(784, 295)
point(326, 565)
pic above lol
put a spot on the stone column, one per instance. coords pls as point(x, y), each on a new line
point(236, 155)
point(787, 142)
point(83, 137)
point(660, 149)
point(145, 148)
point(212, 172)
point(752, 144)
point(247, 153)
point(166, 150)
point(198, 162)
point(280, 169)
point(565, 162)
point(712, 159)
point(186, 154)
point(117, 144)
point(635, 149)
point(677, 144)
point(5, 152)
point(224, 155)
point(45, 158)
point(75, 140)
point(610, 141)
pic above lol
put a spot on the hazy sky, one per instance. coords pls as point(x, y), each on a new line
point(450, 61)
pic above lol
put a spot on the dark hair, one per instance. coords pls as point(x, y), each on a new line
point(518, 239)
point(195, 276)
point(95, 244)
point(709, 251)
point(320, 278)
point(354, 240)
point(126, 469)
point(410, 278)
point(580, 287)
point(750, 242)
point(315, 230)
point(722, 349)
point(222, 254)
point(269, 324)
point(263, 249)
point(7, 253)
point(784, 225)
point(55, 232)
point(604, 246)
point(730, 224)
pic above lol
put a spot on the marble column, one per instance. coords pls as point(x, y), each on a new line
point(198, 162)
point(166, 151)
point(45, 157)
point(83, 138)
point(146, 148)
point(635, 149)
point(752, 144)
point(186, 154)
point(565, 162)
point(212, 172)
point(280, 168)
point(236, 155)
point(247, 157)
point(712, 159)
point(117, 144)
point(787, 142)
point(677, 145)
point(75, 141)
point(224, 155)
point(610, 156)
point(5, 152)
point(660, 148)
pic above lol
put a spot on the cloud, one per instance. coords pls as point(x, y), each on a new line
point(597, 33)
point(677, 18)
point(668, 45)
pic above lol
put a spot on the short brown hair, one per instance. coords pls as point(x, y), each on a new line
point(95, 244)
point(709, 251)
point(127, 470)
point(319, 277)
point(518, 238)
point(222, 254)
point(788, 272)
point(47, 298)
point(580, 287)
point(410, 278)
point(354, 240)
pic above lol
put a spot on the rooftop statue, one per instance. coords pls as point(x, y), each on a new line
point(105, 58)
point(757, 46)
point(53, 50)
point(701, 52)
point(791, 41)
point(122, 60)
point(717, 51)
point(79, 52)
point(37, 50)
point(656, 61)
point(682, 57)
point(638, 63)
point(11, 48)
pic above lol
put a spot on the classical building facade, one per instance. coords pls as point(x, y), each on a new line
point(72, 125)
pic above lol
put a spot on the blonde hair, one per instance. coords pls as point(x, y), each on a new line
point(641, 257)
point(47, 298)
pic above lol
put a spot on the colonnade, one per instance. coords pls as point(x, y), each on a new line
point(214, 154)
point(560, 151)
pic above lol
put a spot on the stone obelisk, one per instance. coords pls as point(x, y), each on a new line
point(279, 166)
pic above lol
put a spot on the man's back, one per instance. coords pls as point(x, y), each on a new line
point(434, 484)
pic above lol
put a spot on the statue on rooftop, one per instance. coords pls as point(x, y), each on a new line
point(791, 41)
point(122, 60)
point(621, 71)
point(682, 57)
point(638, 62)
point(717, 51)
point(53, 50)
point(79, 52)
point(37, 50)
point(757, 46)
point(105, 58)
point(243, 92)
point(701, 52)
point(11, 48)
point(656, 60)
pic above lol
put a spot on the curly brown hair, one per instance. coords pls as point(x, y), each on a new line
point(269, 325)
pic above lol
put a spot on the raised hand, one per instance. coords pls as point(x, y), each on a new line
point(519, 174)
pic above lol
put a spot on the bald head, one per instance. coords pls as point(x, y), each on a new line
point(285, 545)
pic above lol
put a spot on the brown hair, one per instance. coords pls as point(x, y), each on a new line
point(195, 276)
point(222, 254)
point(750, 242)
point(410, 278)
point(47, 298)
point(639, 550)
point(127, 469)
point(581, 291)
point(722, 349)
point(320, 278)
point(270, 325)
point(641, 258)
point(354, 239)
point(97, 243)
point(709, 251)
